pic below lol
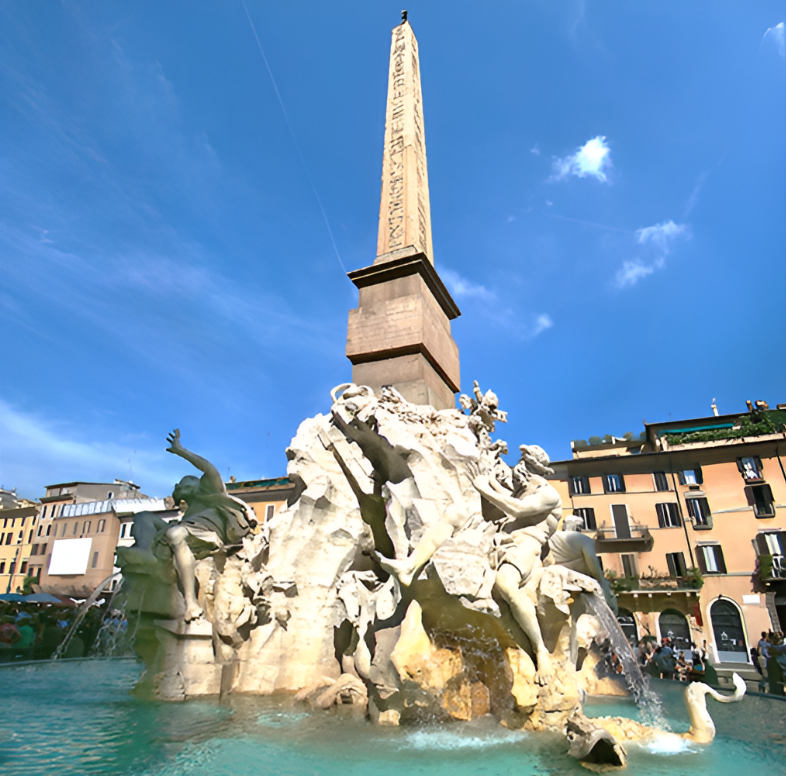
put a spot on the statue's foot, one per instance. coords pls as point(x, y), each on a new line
point(398, 568)
point(193, 612)
point(545, 669)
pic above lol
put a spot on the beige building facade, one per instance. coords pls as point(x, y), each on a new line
point(18, 522)
point(689, 521)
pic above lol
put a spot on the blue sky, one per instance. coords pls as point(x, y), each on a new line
point(607, 188)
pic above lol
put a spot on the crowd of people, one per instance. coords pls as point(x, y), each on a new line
point(667, 661)
point(31, 631)
point(769, 660)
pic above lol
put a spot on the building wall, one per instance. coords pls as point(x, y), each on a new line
point(101, 556)
point(17, 529)
point(734, 527)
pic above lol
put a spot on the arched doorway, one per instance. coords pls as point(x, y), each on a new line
point(728, 631)
point(674, 626)
point(628, 625)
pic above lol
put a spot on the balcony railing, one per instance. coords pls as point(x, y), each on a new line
point(640, 540)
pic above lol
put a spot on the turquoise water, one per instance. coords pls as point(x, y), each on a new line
point(79, 718)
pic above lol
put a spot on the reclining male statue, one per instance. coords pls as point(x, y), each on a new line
point(531, 515)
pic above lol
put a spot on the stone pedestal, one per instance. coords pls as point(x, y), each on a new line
point(400, 332)
point(187, 659)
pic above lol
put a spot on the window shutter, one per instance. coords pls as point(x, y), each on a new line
point(699, 478)
point(589, 518)
point(700, 559)
point(661, 516)
point(622, 483)
point(766, 492)
point(740, 467)
point(719, 558)
point(761, 545)
point(671, 564)
point(749, 497)
point(681, 477)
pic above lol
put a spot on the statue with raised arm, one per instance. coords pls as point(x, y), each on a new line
point(532, 512)
point(213, 520)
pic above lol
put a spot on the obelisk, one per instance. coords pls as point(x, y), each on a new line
point(399, 334)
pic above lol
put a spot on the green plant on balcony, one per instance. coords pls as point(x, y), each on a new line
point(620, 584)
point(751, 425)
point(764, 567)
point(695, 578)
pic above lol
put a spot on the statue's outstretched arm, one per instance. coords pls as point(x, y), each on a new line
point(530, 509)
point(195, 460)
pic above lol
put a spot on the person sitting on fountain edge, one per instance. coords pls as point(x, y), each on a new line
point(213, 520)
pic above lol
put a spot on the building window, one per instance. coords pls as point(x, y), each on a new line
point(9, 538)
point(750, 468)
point(676, 563)
point(48, 529)
point(30, 538)
point(699, 510)
point(38, 574)
point(101, 526)
point(20, 537)
point(23, 567)
point(613, 483)
point(270, 511)
point(629, 565)
point(661, 483)
point(690, 476)
point(760, 498)
point(587, 514)
point(580, 486)
point(95, 560)
point(43, 550)
point(86, 527)
point(76, 528)
point(43, 513)
point(5, 523)
point(12, 568)
point(65, 528)
point(111, 494)
point(668, 515)
point(711, 559)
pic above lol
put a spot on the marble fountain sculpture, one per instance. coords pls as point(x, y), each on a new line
point(413, 574)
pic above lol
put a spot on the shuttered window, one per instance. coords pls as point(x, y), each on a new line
point(661, 481)
point(668, 515)
point(710, 558)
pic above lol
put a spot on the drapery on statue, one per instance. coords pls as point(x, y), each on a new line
point(213, 520)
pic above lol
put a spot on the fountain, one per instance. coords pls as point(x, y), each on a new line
point(413, 577)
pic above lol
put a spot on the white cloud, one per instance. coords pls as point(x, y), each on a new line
point(460, 287)
point(656, 243)
point(632, 272)
point(542, 322)
point(593, 159)
point(776, 34)
point(535, 150)
point(661, 235)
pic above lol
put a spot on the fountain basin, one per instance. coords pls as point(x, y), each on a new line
point(80, 718)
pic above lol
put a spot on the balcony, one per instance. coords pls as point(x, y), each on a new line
point(639, 539)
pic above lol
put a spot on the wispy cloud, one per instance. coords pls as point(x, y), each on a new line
point(632, 272)
point(592, 160)
point(656, 242)
point(661, 235)
point(462, 288)
point(542, 322)
point(33, 444)
point(775, 35)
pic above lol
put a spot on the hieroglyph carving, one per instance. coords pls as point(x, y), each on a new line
point(405, 213)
